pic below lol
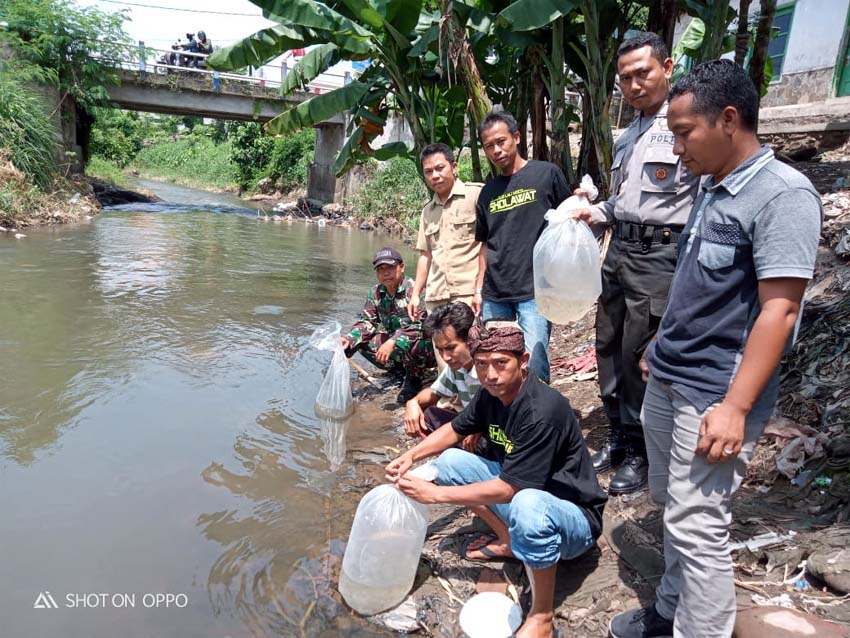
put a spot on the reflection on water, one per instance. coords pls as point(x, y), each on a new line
point(157, 431)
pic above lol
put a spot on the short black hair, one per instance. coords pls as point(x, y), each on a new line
point(456, 314)
point(433, 149)
point(645, 39)
point(717, 84)
point(494, 117)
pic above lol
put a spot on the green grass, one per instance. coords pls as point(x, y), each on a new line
point(193, 160)
point(107, 171)
point(25, 130)
point(394, 189)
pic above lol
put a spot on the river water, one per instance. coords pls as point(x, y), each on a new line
point(157, 433)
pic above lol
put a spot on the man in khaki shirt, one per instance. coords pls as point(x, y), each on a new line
point(448, 261)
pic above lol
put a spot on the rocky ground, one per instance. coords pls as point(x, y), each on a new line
point(789, 530)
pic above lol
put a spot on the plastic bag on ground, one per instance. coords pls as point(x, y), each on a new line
point(334, 399)
point(567, 277)
point(386, 540)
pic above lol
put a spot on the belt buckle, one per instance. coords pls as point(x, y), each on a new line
point(647, 235)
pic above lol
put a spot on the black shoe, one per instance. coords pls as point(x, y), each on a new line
point(640, 623)
point(630, 476)
point(610, 455)
point(409, 389)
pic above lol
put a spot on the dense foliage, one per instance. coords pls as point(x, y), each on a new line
point(69, 45)
point(26, 133)
point(220, 155)
point(394, 189)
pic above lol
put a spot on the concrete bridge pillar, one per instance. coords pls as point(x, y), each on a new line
point(321, 181)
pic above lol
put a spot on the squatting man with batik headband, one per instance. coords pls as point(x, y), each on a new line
point(539, 495)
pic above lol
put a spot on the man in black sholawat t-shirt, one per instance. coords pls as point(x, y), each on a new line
point(540, 496)
point(510, 215)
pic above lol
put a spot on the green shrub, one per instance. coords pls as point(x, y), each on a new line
point(251, 150)
point(290, 159)
point(395, 189)
point(26, 131)
point(104, 169)
point(193, 160)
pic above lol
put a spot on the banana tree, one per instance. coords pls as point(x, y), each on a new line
point(546, 24)
point(395, 34)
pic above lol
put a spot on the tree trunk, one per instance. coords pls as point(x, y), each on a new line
point(742, 37)
point(662, 20)
point(473, 150)
point(538, 118)
point(560, 114)
point(461, 62)
point(603, 40)
point(715, 30)
point(767, 13)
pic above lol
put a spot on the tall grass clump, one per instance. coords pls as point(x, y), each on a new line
point(25, 130)
point(395, 189)
point(106, 170)
point(194, 160)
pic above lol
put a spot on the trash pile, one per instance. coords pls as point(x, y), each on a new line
point(814, 437)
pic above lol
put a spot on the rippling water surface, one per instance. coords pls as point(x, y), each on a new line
point(157, 432)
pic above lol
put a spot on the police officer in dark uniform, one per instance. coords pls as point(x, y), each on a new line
point(652, 195)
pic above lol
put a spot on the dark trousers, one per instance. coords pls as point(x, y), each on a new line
point(635, 284)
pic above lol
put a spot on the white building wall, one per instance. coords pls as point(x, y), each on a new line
point(817, 31)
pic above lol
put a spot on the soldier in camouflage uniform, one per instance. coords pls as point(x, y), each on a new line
point(385, 334)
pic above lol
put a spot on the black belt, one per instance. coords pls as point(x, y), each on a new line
point(647, 234)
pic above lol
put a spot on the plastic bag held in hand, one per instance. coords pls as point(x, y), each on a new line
point(567, 277)
point(380, 561)
point(334, 399)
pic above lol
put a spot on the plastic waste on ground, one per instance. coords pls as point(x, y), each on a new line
point(382, 555)
point(567, 277)
point(490, 615)
point(334, 399)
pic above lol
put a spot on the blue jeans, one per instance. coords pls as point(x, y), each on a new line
point(543, 528)
point(535, 327)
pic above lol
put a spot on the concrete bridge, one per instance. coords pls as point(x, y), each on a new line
point(203, 94)
point(156, 87)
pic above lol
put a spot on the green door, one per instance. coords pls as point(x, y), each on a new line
point(844, 83)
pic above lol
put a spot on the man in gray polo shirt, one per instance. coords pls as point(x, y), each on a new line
point(745, 257)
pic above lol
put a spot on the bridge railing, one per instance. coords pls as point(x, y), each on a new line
point(178, 61)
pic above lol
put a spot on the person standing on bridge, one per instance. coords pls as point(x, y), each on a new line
point(204, 44)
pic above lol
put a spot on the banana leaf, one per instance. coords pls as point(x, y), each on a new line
point(423, 43)
point(318, 109)
point(316, 61)
point(265, 45)
point(393, 149)
point(526, 15)
point(348, 153)
point(308, 13)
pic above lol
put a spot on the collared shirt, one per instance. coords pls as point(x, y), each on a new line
point(649, 184)
point(462, 384)
point(447, 231)
point(761, 222)
point(388, 314)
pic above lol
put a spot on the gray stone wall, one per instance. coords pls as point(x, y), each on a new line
point(800, 88)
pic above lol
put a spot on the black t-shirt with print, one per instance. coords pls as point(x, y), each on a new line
point(538, 442)
point(510, 217)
